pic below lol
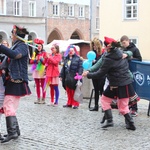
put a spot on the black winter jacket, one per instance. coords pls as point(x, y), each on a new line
point(116, 69)
point(75, 67)
point(136, 53)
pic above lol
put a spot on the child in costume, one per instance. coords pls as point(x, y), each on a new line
point(38, 69)
point(52, 73)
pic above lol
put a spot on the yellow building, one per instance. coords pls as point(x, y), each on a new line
point(127, 17)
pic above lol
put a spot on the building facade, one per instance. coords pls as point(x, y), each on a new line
point(126, 17)
point(45, 19)
point(94, 18)
point(27, 13)
point(67, 21)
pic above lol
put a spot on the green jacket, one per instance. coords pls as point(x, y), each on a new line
point(96, 66)
point(99, 62)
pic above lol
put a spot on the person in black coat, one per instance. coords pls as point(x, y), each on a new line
point(98, 84)
point(120, 83)
point(72, 65)
point(129, 46)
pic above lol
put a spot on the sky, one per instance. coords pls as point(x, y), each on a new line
point(84, 2)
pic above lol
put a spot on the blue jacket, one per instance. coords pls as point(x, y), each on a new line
point(18, 54)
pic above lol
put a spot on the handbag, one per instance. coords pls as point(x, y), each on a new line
point(70, 82)
point(78, 95)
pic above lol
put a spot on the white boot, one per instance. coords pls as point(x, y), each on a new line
point(42, 101)
point(37, 101)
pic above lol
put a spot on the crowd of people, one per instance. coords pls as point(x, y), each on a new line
point(110, 74)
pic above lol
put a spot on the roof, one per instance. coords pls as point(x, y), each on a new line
point(63, 44)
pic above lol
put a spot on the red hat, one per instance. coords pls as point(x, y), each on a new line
point(38, 41)
point(109, 40)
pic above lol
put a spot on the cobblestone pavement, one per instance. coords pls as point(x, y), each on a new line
point(56, 128)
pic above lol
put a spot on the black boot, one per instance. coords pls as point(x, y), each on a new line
point(103, 119)
point(94, 108)
point(108, 117)
point(1, 137)
point(129, 122)
point(11, 129)
point(17, 127)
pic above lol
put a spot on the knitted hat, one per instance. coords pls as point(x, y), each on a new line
point(111, 43)
point(108, 40)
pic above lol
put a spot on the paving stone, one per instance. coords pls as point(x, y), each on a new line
point(56, 128)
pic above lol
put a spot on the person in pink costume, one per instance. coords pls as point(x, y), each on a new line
point(38, 71)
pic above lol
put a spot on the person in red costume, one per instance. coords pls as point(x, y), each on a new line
point(72, 65)
point(52, 73)
point(38, 61)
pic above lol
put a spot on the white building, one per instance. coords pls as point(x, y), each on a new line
point(127, 17)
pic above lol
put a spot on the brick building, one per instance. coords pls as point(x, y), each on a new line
point(48, 20)
point(68, 21)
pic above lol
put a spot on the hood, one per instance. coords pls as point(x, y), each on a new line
point(131, 45)
point(115, 54)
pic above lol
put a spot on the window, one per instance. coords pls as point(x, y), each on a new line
point(70, 11)
point(97, 23)
point(32, 8)
point(131, 9)
point(2, 7)
point(97, 18)
point(97, 2)
point(81, 11)
point(55, 10)
point(134, 40)
point(17, 8)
